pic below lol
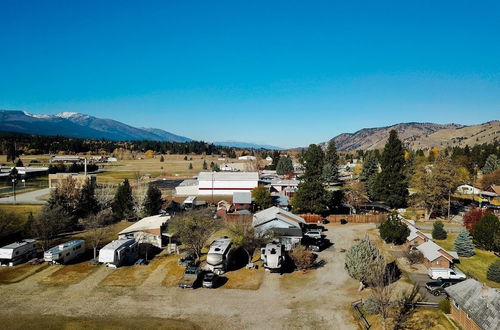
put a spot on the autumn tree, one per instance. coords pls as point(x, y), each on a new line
point(262, 197)
point(302, 257)
point(243, 236)
point(355, 194)
point(472, 217)
point(331, 163)
point(67, 197)
point(9, 223)
point(51, 222)
point(490, 179)
point(391, 184)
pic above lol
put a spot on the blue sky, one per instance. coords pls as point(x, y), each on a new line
point(286, 73)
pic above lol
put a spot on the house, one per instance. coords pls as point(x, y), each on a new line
point(149, 230)
point(226, 183)
point(416, 237)
point(494, 188)
point(242, 200)
point(474, 305)
point(284, 187)
point(435, 256)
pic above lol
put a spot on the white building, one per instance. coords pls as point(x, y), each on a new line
point(226, 183)
point(151, 230)
point(187, 188)
point(246, 158)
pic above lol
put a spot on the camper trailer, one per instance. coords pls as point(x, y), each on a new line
point(273, 256)
point(119, 252)
point(18, 252)
point(66, 252)
point(218, 255)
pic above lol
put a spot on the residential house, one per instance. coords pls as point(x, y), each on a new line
point(151, 230)
point(435, 256)
point(242, 200)
point(474, 305)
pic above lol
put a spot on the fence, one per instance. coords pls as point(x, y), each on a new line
point(358, 218)
point(359, 315)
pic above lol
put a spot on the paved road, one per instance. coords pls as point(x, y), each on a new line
point(26, 198)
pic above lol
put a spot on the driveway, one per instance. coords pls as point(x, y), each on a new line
point(31, 197)
point(420, 280)
point(319, 299)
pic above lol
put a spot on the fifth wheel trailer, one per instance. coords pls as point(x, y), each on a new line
point(119, 252)
point(218, 255)
point(17, 252)
point(65, 252)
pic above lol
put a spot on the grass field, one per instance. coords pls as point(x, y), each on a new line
point(131, 276)
point(244, 279)
point(22, 209)
point(18, 273)
point(57, 322)
point(69, 274)
point(420, 319)
point(476, 265)
point(174, 272)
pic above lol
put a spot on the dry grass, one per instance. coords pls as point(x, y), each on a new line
point(174, 272)
point(22, 209)
point(297, 279)
point(57, 322)
point(18, 273)
point(244, 279)
point(421, 319)
point(131, 276)
point(70, 274)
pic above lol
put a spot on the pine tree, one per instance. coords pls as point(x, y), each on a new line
point(123, 203)
point(87, 202)
point(162, 159)
point(438, 231)
point(492, 163)
point(205, 165)
point(463, 244)
point(493, 273)
point(284, 166)
point(190, 166)
point(331, 166)
point(393, 230)
point(19, 163)
point(485, 230)
point(153, 201)
point(391, 185)
point(369, 173)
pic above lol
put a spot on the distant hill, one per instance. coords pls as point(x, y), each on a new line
point(420, 135)
point(73, 124)
point(246, 145)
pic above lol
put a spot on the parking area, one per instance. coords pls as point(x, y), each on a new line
point(319, 298)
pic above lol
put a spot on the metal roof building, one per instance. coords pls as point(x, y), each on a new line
point(226, 183)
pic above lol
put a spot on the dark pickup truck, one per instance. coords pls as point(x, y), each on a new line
point(436, 288)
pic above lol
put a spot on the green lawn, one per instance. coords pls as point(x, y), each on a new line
point(476, 265)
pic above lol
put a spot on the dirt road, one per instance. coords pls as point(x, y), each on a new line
point(319, 299)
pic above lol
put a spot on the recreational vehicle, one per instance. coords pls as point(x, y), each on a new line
point(218, 255)
point(18, 252)
point(66, 252)
point(119, 252)
point(192, 203)
point(273, 256)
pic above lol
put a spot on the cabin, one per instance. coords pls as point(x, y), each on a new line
point(66, 252)
point(17, 252)
point(119, 252)
point(150, 230)
point(218, 255)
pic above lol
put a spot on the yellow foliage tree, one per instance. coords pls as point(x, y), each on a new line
point(149, 154)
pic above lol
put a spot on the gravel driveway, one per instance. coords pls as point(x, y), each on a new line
point(319, 299)
point(31, 197)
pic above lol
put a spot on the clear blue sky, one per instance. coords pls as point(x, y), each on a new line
point(286, 73)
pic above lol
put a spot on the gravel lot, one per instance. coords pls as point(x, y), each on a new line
point(319, 299)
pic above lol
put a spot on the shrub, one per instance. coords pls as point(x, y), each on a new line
point(485, 230)
point(361, 259)
point(493, 273)
point(302, 258)
point(438, 231)
point(414, 257)
point(393, 230)
point(464, 245)
point(371, 305)
point(444, 306)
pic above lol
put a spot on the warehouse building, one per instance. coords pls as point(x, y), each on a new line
point(226, 183)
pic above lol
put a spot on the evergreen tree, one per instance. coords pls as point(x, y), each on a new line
point(123, 203)
point(284, 166)
point(438, 231)
point(485, 230)
point(87, 203)
point(369, 173)
point(313, 159)
point(19, 163)
point(205, 165)
point(162, 159)
point(391, 185)
point(276, 158)
point(190, 166)
point(393, 230)
point(153, 201)
point(493, 273)
point(331, 166)
point(463, 244)
point(492, 163)
point(361, 259)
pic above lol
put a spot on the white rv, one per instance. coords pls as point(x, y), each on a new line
point(273, 256)
point(18, 252)
point(119, 252)
point(66, 252)
point(218, 255)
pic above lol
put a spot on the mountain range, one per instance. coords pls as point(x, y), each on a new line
point(78, 125)
point(420, 136)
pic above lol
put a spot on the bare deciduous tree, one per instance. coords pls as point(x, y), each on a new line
point(97, 227)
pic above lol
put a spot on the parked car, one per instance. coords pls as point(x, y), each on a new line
point(314, 244)
point(210, 280)
point(310, 226)
point(446, 274)
point(191, 278)
point(438, 287)
point(313, 233)
point(187, 260)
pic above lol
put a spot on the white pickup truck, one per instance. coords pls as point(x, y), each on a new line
point(446, 274)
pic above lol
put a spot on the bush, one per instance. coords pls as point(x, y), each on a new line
point(371, 305)
point(493, 273)
point(414, 257)
point(393, 230)
point(438, 231)
point(302, 258)
point(444, 306)
point(485, 230)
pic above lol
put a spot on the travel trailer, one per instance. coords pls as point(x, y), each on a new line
point(119, 252)
point(273, 256)
point(66, 252)
point(18, 252)
point(218, 255)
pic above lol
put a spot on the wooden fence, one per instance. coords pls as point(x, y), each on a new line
point(363, 322)
point(358, 218)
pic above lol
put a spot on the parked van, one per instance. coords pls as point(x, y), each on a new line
point(18, 252)
point(119, 252)
point(273, 256)
point(66, 252)
point(446, 274)
point(218, 255)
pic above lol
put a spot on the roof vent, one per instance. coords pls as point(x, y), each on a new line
point(484, 291)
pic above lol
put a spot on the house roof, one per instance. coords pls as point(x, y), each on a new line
point(242, 197)
point(273, 213)
point(494, 188)
point(481, 303)
point(228, 176)
point(432, 251)
point(149, 223)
